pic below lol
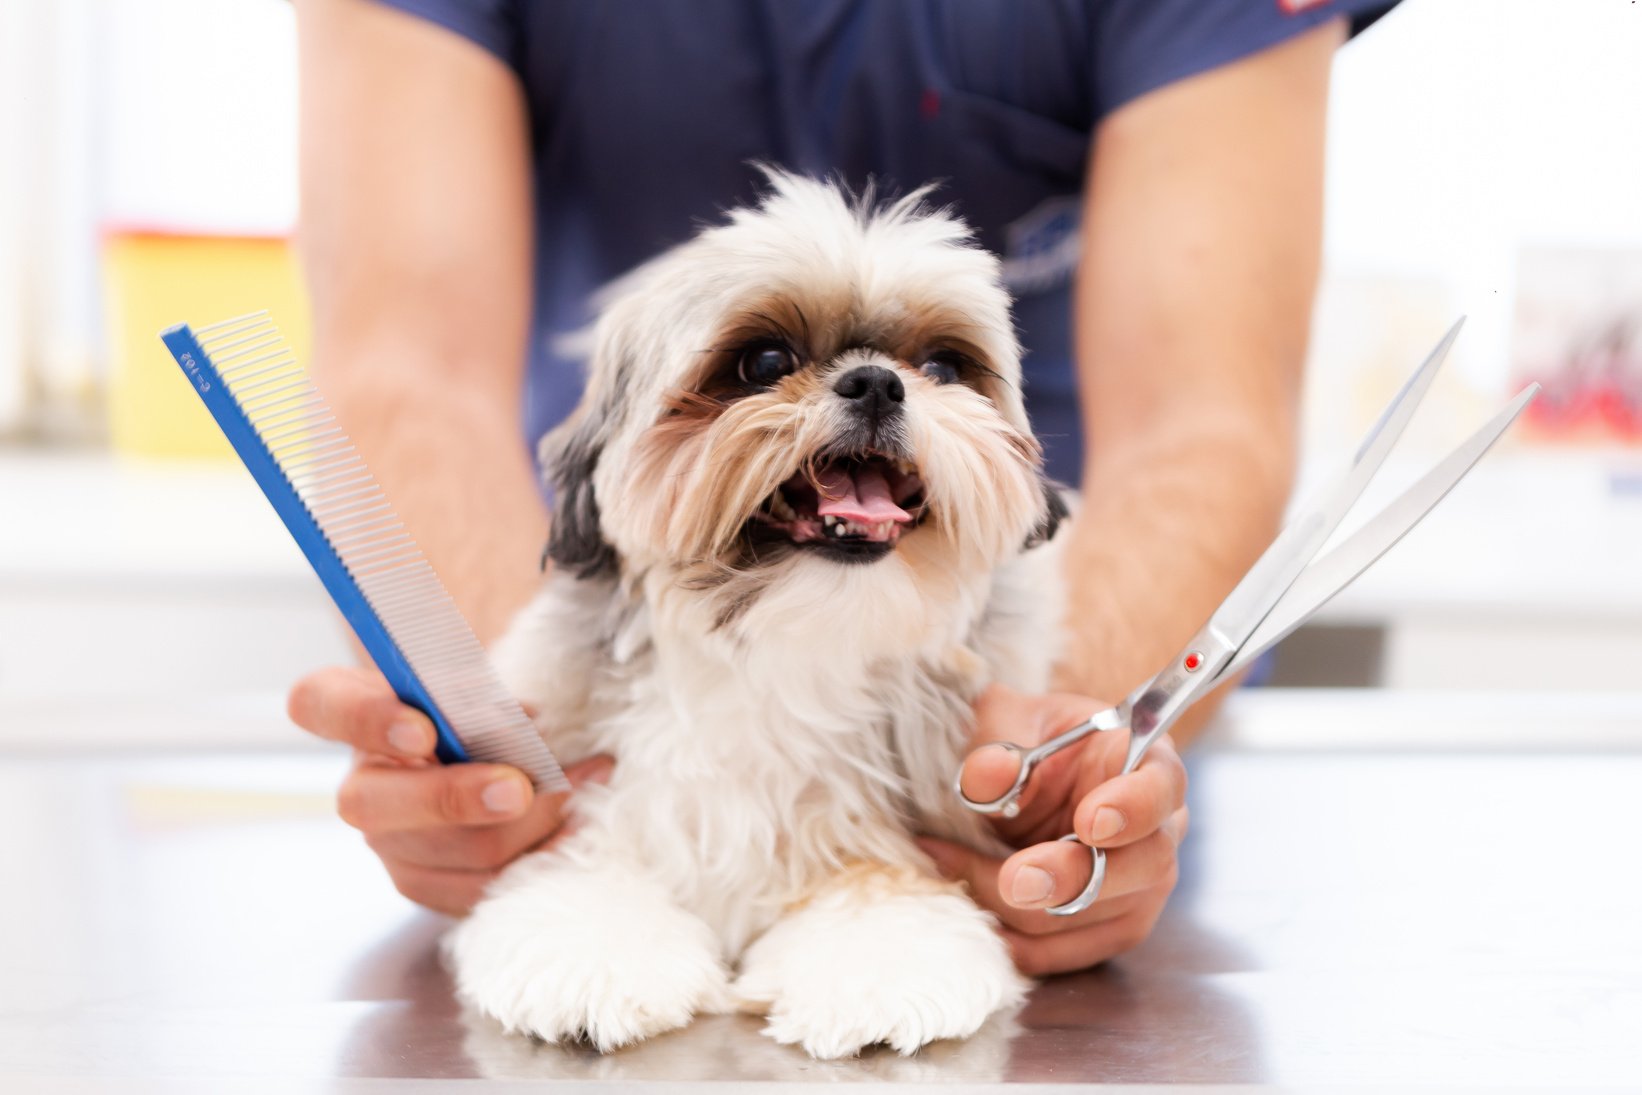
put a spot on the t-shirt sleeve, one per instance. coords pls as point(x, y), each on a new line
point(1141, 45)
point(493, 25)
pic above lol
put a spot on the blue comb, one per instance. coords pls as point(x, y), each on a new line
point(281, 427)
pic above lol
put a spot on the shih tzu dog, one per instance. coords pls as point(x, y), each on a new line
point(800, 525)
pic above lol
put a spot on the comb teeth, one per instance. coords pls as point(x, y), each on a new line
point(338, 493)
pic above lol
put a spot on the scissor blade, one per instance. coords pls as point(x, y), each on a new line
point(1319, 582)
point(1254, 597)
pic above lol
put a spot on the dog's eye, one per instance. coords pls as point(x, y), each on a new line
point(943, 366)
point(765, 363)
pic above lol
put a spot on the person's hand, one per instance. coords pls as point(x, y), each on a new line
point(442, 831)
point(1139, 818)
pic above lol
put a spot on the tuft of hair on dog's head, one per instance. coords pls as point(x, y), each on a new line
point(823, 384)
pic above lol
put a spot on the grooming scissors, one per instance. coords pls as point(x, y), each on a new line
point(1279, 593)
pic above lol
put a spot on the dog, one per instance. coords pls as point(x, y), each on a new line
point(800, 524)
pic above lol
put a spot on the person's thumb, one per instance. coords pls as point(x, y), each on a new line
point(1004, 717)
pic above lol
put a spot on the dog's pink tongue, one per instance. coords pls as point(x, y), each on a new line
point(863, 497)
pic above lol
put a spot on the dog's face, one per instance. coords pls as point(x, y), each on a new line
point(815, 384)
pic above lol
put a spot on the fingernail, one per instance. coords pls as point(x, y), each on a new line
point(505, 796)
point(408, 736)
point(1032, 886)
point(1108, 822)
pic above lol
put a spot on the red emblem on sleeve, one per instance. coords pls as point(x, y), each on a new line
point(1295, 7)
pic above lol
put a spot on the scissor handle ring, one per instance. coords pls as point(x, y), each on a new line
point(1097, 876)
point(1007, 804)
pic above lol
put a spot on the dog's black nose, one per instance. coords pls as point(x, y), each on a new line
point(873, 390)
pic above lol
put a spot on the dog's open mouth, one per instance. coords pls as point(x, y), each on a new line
point(855, 506)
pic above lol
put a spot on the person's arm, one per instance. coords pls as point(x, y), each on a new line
point(1201, 240)
point(1201, 233)
point(416, 239)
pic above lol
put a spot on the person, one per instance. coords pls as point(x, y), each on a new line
point(1150, 172)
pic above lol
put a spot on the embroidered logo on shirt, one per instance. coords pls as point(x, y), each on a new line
point(1041, 248)
point(1295, 7)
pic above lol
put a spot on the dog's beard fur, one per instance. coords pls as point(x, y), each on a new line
point(786, 700)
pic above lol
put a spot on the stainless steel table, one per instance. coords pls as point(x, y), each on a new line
point(200, 923)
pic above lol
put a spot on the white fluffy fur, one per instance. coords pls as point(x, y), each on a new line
point(879, 958)
point(754, 846)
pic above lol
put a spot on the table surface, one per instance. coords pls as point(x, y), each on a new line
point(201, 923)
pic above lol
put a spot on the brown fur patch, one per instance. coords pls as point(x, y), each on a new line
point(685, 412)
point(833, 324)
point(708, 465)
point(872, 882)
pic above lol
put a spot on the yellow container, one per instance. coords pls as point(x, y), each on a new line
point(156, 280)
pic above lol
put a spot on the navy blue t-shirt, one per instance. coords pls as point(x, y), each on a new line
point(647, 114)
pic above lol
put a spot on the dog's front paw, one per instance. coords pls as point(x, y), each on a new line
point(864, 964)
point(567, 954)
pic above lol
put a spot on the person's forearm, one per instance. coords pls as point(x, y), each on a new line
point(1201, 242)
point(451, 458)
point(1164, 532)
point(416, 237)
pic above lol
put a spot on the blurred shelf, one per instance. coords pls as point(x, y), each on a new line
point(1534, 533)
point(1427, 720)
point(137, 581)
point(91, 520)
point(1529, 535)
point(222, 722)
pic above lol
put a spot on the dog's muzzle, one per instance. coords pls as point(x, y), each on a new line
point(873, 392)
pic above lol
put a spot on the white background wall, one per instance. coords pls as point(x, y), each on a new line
point(1460, 132)
point(199, 115)
point(1463, 129)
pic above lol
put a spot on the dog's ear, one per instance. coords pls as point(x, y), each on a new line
point(571, 451)
point(576, 543)
point(1054, 512)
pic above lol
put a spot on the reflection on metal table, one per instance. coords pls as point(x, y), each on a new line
point(190, 923)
